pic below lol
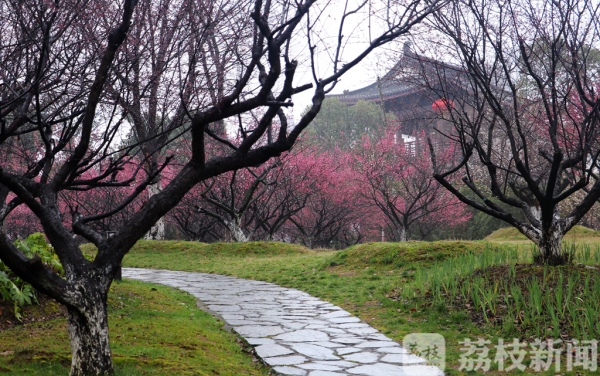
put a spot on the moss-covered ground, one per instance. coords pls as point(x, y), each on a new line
point(154, 330)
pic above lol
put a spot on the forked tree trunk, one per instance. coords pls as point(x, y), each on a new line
point(235, 229)
point(401, 233)
point(88, 332)
point(549, 242)
point(308, 242)
point(550, 248)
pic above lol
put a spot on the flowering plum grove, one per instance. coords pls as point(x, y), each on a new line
point(250, 203)
point(311, 196)
point(333, 214)
point(77, 76)
point(304, 196)
point(397, 179)
point(323, 198)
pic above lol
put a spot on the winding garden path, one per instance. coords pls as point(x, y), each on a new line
point(294, 332)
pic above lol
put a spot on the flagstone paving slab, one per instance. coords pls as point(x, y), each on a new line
point(295, 333)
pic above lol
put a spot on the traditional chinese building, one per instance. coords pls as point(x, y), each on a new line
point(417, 90)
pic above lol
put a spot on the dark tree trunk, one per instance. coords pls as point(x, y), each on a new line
point(401, 233)
point(550, 247)
point(551, 251)
point(88, 332)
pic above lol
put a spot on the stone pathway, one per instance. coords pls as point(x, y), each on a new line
point(295, 333)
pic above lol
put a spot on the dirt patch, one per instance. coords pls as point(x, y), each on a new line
point(47, 309)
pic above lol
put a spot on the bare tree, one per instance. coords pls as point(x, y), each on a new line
point(284, 198)
point(148, 72)
point(322, 222)
point(531, 116)
point(231, 199)
point(66, 98)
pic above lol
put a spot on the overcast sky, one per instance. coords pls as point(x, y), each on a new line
point(358, 30)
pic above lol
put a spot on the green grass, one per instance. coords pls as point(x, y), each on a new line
point(369, 280)
point(400, 254)
point(154, 330)
point(362, 279)
point(209, 257)
point(502, 287)
point(577, 233)
point(162, 247)
point(399, 288)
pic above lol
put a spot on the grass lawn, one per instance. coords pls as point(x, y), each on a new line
point(485, 289)
point(406, 288)
point(154, 330)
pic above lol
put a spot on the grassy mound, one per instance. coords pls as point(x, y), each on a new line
point(207, 258)
point(506, 233)
point(256, 249)
point(584, 232)
point(511, 233)
point(163, 247)
point(400, 254)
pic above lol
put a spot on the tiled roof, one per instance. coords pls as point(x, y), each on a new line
point(396, 82)
point(389, 89)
